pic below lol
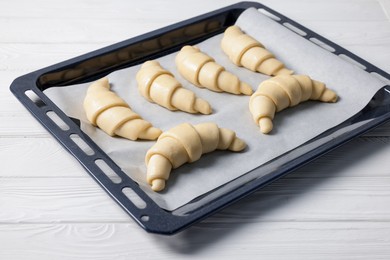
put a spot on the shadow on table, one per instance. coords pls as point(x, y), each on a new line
point(256, 209)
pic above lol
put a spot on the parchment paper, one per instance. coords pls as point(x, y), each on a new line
point(292, 127)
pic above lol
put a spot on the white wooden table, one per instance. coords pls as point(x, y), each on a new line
point(335, 208)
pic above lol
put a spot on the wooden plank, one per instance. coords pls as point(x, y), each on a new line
point(43, 200)
point(113, 10)
point(45, 157)
point(21, 58)
point(56, 199)
point(385, 4)
point(329, 193)
point(90, 25)
point(21, 126)
point(346, 33)
point(45, 30)
point(152, 15)
point(153, 9)
point(269, 240)
point(333, 10)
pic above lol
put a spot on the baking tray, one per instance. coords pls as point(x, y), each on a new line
point(126, 192)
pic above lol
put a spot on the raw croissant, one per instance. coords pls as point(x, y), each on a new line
point(280, 92)
point(113, 115)
point(245, 51)
point(159, 85)
point(202, 71)
point(186, 143)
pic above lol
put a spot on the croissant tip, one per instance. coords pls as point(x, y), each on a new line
point(189, 47)
point(158, 184)
point(237, 145)
point(333, 98)
point(233, 27)
point(329, 96)
point(202, 106)
point(104, 79)
point(246, 89)
point(150, 63)
point(152, 133)
point(102, 82)
point(265, 124)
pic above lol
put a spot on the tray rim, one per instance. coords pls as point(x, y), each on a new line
point(162, 221)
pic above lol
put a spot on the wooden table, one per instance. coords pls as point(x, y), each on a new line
point(335, 208)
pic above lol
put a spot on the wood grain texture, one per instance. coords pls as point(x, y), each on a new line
point(333, 208)
point(270, 240)
point(385, 4)
point(47, 200)
point(54, 160)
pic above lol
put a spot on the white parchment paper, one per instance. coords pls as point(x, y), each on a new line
point(292, 127)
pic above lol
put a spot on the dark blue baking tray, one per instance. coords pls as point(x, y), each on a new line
point(126, 192)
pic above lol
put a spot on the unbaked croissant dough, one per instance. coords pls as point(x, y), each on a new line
point(202, 71)
point(113, 115)
point(159, 85)
point(280, 92)
point(186, 143)
point(245, 51)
